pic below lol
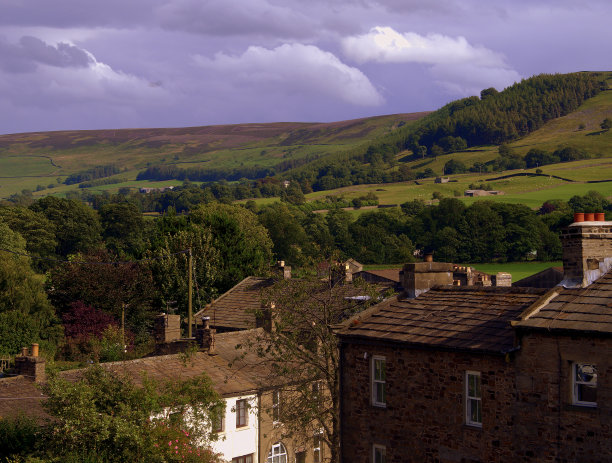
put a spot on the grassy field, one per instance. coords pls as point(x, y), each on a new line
point(532, 191)
point(519, 270)
point(25, 156)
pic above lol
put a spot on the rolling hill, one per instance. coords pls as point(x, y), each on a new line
point(43, 161)
point(47, 158)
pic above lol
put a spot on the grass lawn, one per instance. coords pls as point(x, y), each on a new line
point(519, 270)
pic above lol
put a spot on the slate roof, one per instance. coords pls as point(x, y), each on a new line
point(577, 309)
point(20, 396)
point(235, 309)
point(246, 375)
point(228, 380)
point(455, 317)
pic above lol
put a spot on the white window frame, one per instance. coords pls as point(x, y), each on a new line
point(472, 400)
point(577, 383)
point(381, 451)
point(220, 424)
point(239, 424)
point(277, 454)
point(276, 400)
point(377, 383)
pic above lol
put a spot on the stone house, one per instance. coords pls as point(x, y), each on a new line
point(247, 434)
point(486, 374)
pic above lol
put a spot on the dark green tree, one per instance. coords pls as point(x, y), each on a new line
point(25, 313)
point(243, 243)
point(77, 227)
point(125, 230)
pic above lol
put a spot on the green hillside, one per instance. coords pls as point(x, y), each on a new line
point(349, 158)
point(41, 159)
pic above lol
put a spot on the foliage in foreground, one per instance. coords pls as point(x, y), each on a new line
point(106, 417)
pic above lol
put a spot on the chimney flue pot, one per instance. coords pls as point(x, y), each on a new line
point(429, 257)
point(589, 216)
point(600, 217)
point(34, 350)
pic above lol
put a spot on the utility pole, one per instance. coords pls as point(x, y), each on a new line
point(123, 326)
point(189, 295)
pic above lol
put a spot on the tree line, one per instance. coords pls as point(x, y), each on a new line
point(492, 118)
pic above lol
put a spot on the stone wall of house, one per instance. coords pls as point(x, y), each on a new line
point(548, 426)
point(424, 417)
point(527, 401)
point(299, 446)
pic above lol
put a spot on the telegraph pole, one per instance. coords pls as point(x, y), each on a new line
point(123, 327)
point(189, 295)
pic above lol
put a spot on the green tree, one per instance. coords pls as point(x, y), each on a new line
point(104, 415)
point(606, 124)
point(291, 243)
point(37, 230)
point(77, 227)
point(125, 230)
point(25, 313)
point(169, 266)
point(592, 201)
point(243, 243)
point(454, 167)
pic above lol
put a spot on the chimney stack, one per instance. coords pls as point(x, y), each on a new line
point(587, 249)
point(167, 328)
point(419, 277)
point(283, 271)
point(31, 366)
point(205, 337)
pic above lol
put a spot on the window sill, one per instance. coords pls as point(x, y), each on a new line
point(580, 408)
point(375, 405)
point(473, 426)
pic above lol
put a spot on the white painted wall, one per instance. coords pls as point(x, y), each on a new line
point(242, 441)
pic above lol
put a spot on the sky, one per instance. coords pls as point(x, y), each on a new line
point(90, 64)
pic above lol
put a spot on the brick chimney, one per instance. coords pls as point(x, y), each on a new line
point(587, 250)
point(282, 271)
point(31, 366)
point(419, 277)
point(167, 328)
point(205, 337)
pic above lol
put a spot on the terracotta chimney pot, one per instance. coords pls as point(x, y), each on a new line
point(578, 217)
point(429, 257)
point(34, 350)
point(589, 216)
point(24, 351)
point(600, 217)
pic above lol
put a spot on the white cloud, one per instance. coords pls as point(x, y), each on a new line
point(293, 68)
point(457, 65)
point(40, 81)
point(385, 45)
